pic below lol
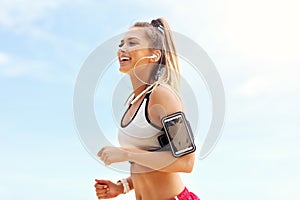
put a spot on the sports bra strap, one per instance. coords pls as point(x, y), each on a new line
point(148, 95)
point(151, 89)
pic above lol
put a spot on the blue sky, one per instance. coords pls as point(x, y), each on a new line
point(254, 45)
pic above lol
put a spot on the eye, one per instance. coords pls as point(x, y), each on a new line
point(131, 43)
point(121, 44)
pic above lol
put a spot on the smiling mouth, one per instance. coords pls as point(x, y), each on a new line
point(124, 59)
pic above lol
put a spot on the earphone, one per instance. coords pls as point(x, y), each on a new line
point(153, 56)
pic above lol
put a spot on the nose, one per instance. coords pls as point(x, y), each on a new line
point(123, 49)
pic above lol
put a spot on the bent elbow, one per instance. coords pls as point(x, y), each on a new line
point(189, 164)
point(189, 167)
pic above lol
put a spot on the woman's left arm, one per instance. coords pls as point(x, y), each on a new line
point(161, 161)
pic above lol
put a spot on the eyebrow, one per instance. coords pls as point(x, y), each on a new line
point(131, 38)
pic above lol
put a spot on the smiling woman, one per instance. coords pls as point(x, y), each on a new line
point(147, 54)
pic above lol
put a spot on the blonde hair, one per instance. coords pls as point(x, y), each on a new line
point(161, 38)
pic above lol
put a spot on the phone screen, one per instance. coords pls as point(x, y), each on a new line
point(179, 134)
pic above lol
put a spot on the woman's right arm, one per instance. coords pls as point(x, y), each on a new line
point(106, 189)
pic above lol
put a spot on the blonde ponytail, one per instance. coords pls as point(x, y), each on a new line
point(161, 37)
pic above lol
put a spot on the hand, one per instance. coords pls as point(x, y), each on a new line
point(106, 189)
point(111, 155)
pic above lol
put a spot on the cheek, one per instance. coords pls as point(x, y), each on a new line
point(127, 68)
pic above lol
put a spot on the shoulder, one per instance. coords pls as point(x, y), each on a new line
point(166, 99)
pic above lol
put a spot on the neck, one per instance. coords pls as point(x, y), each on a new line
point(140, 76)
point(140, 83)
point(137, 86)
point(139, 94)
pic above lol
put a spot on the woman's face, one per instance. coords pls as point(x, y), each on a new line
point(133, 47)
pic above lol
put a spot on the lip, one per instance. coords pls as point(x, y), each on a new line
point(123, 63)
point(124, 59)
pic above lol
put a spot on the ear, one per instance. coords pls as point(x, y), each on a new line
point(158, 55)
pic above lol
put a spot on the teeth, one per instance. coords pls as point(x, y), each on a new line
point(124, 59)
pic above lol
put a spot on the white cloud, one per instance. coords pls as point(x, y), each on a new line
point(282, 81)
point(14, 67)
point(256, 39)
point(19, 17)
point(25, 17)
point(262, 27)
point(254, 86)
point(21, 13)
point(4, 58)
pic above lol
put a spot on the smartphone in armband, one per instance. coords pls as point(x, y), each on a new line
point(179, 134)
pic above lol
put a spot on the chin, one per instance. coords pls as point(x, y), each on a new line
point(124, 70)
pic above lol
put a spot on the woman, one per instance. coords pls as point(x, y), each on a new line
point(147, 54)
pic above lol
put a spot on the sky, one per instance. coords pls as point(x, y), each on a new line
point(254, 44)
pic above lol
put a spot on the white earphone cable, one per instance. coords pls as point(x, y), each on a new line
point(153, 56)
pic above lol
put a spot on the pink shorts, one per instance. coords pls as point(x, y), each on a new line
point(186, 195)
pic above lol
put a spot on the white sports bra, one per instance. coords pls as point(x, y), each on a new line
point(140, 132)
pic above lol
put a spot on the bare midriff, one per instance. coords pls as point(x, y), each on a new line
point(155, 185)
